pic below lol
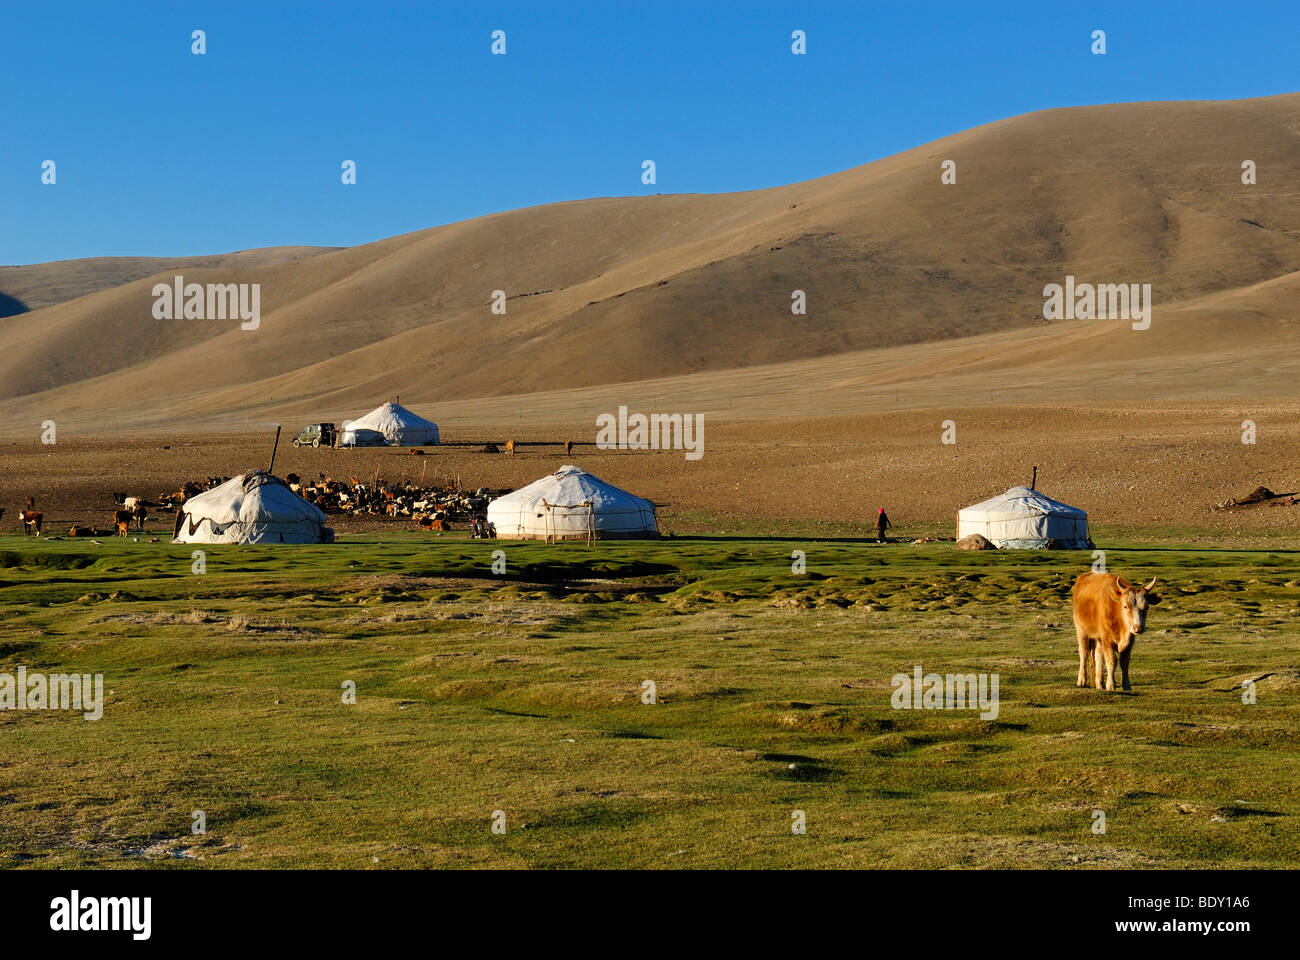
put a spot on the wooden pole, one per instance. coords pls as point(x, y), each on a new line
point(271, 468)
point(1033, 484)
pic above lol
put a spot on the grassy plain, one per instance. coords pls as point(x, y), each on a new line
point(522, 693)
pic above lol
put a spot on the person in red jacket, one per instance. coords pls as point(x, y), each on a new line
point(882, 524)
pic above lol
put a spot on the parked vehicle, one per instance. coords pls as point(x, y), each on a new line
point(315, 435)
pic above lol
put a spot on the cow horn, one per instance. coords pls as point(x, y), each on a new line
point(1123, 584)
point(1151, 584)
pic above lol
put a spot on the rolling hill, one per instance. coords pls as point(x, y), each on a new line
point(37, 285)
point(910, 284)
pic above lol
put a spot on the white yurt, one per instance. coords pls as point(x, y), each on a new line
point(1023, 518)
point(572, 504)
point(251, 508)
point(390, 423)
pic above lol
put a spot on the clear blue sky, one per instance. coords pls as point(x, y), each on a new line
point(161, 152)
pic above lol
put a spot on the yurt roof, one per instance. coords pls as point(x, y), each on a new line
point(571, 486)
point(389, 415)
point(256, 496)
point(1022, 502)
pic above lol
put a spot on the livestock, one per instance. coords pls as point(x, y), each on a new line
point(510, 447)
point(31, 520)
point(122, 520)
point(1109, 613)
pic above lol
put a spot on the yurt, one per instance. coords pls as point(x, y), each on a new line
point(572, 504)
point(390, 423)
point(251, 508)
point(1023, 518)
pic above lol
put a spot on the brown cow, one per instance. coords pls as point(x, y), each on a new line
point(568, 447)
point(1109, 613)
point(122, 520)
point(140, 514)
point(510, 447)
point(31, 521)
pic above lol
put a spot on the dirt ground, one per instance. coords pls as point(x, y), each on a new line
point(1156, 470)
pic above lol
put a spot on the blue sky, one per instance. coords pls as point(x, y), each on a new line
point(160, 152)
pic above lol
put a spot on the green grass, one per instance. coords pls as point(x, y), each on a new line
point(522, 693)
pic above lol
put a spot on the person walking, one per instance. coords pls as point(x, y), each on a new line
point(882, 524)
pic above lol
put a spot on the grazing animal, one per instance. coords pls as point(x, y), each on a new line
point(80, 531)
point(31, 521)
point(140, 514)
point(510, 447)
point(1109, 613)
point(568, 447)
point(122, 520)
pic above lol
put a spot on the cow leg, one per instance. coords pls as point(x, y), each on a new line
point(1097, 664)
point(1085, 656)
point(1109, 652)
point(1123, 665)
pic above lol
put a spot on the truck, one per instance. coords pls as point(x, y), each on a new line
point(316, 435)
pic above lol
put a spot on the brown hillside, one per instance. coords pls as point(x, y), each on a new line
point(43, 284)
point(607, 291)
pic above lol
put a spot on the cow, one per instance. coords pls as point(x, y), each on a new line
point(140, 514)
point(122, 520)
point(1109, 613)
point(31, 521)
point(510, 447)
point(568, 447)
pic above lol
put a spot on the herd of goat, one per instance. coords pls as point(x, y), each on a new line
point(432, 508)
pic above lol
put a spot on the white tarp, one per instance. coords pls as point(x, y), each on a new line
point(1022, 517)
point(572, 504)
point(390, 423)
point(251, 508)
